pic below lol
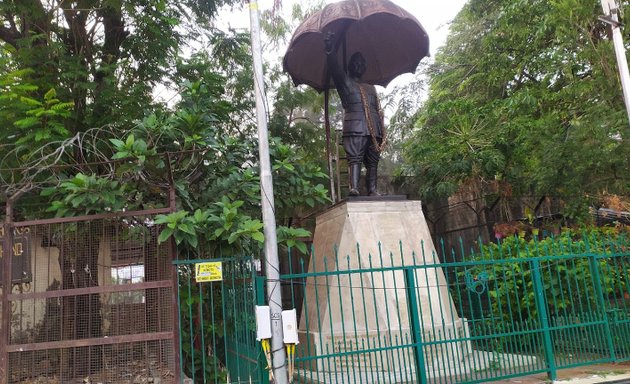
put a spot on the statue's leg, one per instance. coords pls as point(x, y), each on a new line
point(371, 181)
point(372, 157)
point(353, 147)
point(355, 174)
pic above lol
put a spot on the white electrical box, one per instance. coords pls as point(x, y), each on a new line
point(290, 327)
point(263, 322)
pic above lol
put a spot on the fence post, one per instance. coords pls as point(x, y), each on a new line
point(259, 290)
point(541, 306)
point(414, 317)
point(172, 250)
point(601, 303)
point(7, 285)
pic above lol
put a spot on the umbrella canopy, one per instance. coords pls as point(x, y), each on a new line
point(391, 39)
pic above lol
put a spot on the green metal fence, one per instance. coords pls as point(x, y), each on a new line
point(500, 311)
point(217, 324)
point(506, 310)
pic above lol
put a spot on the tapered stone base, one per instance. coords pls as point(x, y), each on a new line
point(370, 311)
point(356, 317)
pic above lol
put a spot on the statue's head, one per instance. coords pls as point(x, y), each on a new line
point(357, 66)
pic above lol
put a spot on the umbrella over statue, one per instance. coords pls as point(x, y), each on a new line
point(391, 39)
point(383, 41)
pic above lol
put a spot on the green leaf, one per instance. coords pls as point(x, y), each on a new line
point(164, 235)
point(192, 240)
point(51, 94)
point(120, 155)
point(117, 143)
point(76, 201)
point(30, 101)
point(140, 146)
point(48, 191)
point(258, 236)
point(233, 237)
point(26, 122)
point(186, 228)
point(42, 135)
point(161, 219)
point(301, 246)
point(200, 216)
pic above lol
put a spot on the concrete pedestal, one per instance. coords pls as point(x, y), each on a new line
point(370, 311)
point(359, 323)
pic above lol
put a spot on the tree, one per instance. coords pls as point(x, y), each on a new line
point(524, 96)
point(88, 137)
point(104, 56)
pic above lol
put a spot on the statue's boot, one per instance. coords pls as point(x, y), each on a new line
point(355, 174)
point(370, 181)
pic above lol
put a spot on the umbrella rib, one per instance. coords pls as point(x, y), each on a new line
point(360, 15)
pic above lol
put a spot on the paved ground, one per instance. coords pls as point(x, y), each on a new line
point(593, 374)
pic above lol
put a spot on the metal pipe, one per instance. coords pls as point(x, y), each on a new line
point(272, 267)
point(328, 151)
point(610, 16)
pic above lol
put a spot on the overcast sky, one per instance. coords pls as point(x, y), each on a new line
point(434, 15)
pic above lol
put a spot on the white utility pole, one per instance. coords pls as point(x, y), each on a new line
point(611, 16)
point(272, 266)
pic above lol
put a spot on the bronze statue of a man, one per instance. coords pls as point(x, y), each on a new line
point(363, 126)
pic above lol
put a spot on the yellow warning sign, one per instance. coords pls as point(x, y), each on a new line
point(210, 271)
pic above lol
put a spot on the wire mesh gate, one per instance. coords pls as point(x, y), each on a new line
point(91, 300)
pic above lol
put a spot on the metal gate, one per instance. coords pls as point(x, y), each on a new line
point(91, 298)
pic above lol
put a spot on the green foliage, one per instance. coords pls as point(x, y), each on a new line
point(223, 230)
point(222, 227)
point(216, 175)
point(294, 179)
point(135, 151)
point(44, 120)
point(30, 119)
point(104, 59)
point(298, 120)
point(103, 141)
point(523, 93)
point(497, 284)
point(87, 194)
point(132, 148)
point(180, 226)
point(291, 237)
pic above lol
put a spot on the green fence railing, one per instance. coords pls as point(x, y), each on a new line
point(217, 323)
point(504, 310)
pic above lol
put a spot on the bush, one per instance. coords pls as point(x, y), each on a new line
point(582, 275)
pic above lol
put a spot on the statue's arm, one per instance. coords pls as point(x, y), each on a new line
point(339, 77)
point(337, 73)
